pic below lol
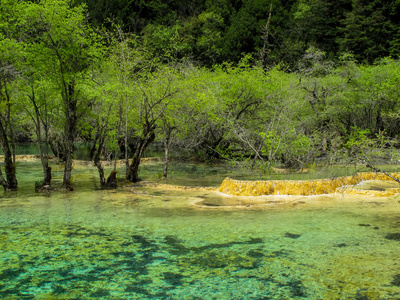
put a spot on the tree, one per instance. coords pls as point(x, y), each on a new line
point(103, 115)
point(370, 98)
point(155, 91)
point(179, 119)
point(315, 24)
point(367, 30)
point(230, 96)
point(9, 52)
point(70, 47)
point(210, 32)
point(34, 100)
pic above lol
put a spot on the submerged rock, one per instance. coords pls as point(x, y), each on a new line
point(393, 236)
point(292, 235)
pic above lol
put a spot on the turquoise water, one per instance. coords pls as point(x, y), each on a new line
point(151, 242)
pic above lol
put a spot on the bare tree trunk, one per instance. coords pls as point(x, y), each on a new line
point(368, 165)
point(167, 143)
point(126, 134)
point(166, 158)
point(264, 57)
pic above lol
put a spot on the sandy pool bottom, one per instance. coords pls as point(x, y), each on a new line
point(161, 242)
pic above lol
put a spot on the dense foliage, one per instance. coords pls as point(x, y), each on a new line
point(262, 82)
point(217, 31)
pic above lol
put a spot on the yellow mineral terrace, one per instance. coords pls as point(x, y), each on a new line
point(298, 187)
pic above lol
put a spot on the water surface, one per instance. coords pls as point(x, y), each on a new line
point(159, 242)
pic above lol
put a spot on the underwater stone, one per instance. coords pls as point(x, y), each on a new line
point(292, 235)
point(143, 241)
point(88, 278)
point(137, 290)
point(279, 253)
point(396, 280)
point(11, 273)
point(175, 243)
point(58, 289)
point(393, 236)
point(255, 254)
point(362, 295)
point(100, 293)
point(341, 245)
point(296, 287)
point(254, 241)
point(126, 254)
point(173, 278)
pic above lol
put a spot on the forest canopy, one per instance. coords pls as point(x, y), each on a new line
point(264, 83)
point(218, 31)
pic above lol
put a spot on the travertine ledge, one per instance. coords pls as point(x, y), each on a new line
point(299, 187)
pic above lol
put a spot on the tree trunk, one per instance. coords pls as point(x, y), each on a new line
point(68, 168)
point(101, 173)
point(112, 180)
point(11, 183)
point(133, 170)
point(70, 130)
point(58, 148)
point(92, 152)
point(43, 154)
point(368, 165)
point(166, 158)
point(96, 151)
point(166, 151)
point(3, 182)
point(264, 52)
point(47, 176)
point(46, 169)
